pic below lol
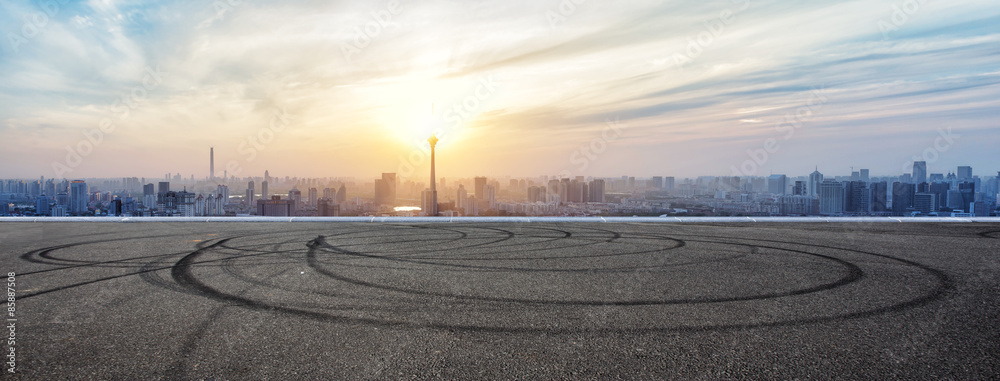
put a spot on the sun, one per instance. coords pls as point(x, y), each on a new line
point(410, 111)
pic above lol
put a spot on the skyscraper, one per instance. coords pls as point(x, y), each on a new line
point(263, 190)
point(902, 197)
point(596, 190)
point(480, 183)
point(313, 197)
point(926, 203)
point(815, 179)
point(251, 200)
point(857, 198)
point(295, 196)
point(865, 175)
point(463, 196)
point(919, 172)
point(964, 173)
point(879, 196)
point(211, 163)
point(78, 197)
point(831, 197)
point(776, 184)
point(385, 190)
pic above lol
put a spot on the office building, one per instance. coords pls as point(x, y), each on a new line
point(777, 184)
point(919, 172)
point(857, 198)
point(42, 206)
point(276, 207)
point(879, 197)
point(250, 194)
point(313, 197)
point(78, 198)
point(327, 207)
point(480, 184)
point(902, 197)
point(596, 191)
point(815, 179)
point(294, 197)
point(925, 203)
point(831, 197)
point(964, 173)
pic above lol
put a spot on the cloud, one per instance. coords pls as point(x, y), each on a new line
point(357, 108)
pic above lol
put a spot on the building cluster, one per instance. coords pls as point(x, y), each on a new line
point(958, 193)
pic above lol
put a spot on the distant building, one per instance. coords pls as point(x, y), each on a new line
point(925, 203)
point(294, 197)
point(857, 198)
point(919, 172)
point(831, 197)
point(777, 184)
point(879, 197)
point(276, 207)
point(480, 184)
point(799, 189)
point(42, 206)
point(815, 179)
point(902, 197)
point(78, 198)
point(328, 208)
point(596, 191)
point(964, 173)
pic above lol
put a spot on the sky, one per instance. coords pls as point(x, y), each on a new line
point(112, 88)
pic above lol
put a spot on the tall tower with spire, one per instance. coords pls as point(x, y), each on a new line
point(432, 209)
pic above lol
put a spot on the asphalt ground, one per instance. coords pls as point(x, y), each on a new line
point(233, 301)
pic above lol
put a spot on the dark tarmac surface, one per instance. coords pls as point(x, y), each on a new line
point(232, 301)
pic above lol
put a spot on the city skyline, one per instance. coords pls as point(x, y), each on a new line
point(543, 87)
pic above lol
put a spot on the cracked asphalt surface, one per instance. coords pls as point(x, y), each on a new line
point(504, 300)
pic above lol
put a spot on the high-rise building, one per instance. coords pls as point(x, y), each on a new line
point(919, 172)
point(925, 203)
point(815, 179)
point(857, 198)
point(831, 197)
point(865, 175)
point(385, 190)
point(777, 184)
point(251, 193)
point(964, 173)
point(462, 196)
point(656, 182)
point(342, 194)
point(799, 189)
point(313, 197)
point(211, 163)
point(668, 183)
point(902, 197)
point(328, 208)
point(276, 207)
point(480, 183)
point(597, 190)
point(42, 206)
point(879, 197)
point(295, 197)
point(941, 190)
point(78, 198)
point(263, 190)
point(490, 196)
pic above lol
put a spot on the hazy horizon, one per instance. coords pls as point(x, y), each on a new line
point(517, 88)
